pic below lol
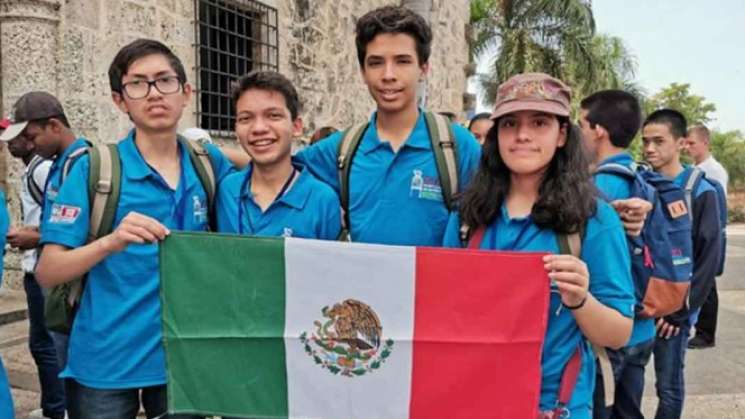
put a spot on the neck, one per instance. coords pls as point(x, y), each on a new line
point(702, 157)
point(606, 150)
point(672, 169)
point(271, 177)
point(156, 146)
point(396, 127)
point(66, 141)
point(523, 194)
point(27, 159)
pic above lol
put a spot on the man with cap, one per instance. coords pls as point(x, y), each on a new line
point(40, 119)
point(26, 237)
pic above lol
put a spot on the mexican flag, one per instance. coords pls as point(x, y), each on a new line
point(276, 328)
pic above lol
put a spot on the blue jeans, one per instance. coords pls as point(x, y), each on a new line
point(43, 351)
point(669, 361)
point(90, 403)
point(628, 373)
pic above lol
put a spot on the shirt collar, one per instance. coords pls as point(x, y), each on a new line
point(295, 197)
point(138, 169)
point(623, 158)
point(419, 137)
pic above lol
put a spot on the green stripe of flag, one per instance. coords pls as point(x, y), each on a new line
point(245, 303)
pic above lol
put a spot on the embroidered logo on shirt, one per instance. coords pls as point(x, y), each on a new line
point(64, 214)
point(425, 187)
point(51, 193)
point(287, 232)
point(200, 210)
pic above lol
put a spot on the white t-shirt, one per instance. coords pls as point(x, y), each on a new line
point(31, 209)
point(714, 170)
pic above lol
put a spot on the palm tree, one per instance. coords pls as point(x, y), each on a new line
point(551, 36)
point(614, 67)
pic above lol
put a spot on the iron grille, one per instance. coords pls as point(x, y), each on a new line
point(233, 37)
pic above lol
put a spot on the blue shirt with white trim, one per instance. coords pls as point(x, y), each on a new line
point(116, 340)
point(394, 197)
point(56, 175)
point(614, 187)
point(307, 209)
point(605, 252)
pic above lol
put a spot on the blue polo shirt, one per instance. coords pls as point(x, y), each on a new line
point(6, 401)
point(605, 252)
point(615, 187)
point(394, 197)
point(116, 339)
point(54, 179)
point(308, 209)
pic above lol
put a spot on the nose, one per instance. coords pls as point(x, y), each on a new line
point(389, 71)
point(522, 132)
point(259, 125)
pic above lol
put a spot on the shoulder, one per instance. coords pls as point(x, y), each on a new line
point(230, 184)
point(319, 190)
point(605, 219)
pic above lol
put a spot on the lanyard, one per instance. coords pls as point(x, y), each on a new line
point(244, 188)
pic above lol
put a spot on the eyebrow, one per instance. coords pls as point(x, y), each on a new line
point(158, 74)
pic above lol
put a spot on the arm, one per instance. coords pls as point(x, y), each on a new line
point(601, 325)
point(633, 213)
point(59, 264)
point(237, 156)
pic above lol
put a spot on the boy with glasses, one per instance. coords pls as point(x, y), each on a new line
point(116, 356)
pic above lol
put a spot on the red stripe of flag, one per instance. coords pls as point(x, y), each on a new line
point(479, 324)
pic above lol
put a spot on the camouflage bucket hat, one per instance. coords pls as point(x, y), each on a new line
point(532, 92)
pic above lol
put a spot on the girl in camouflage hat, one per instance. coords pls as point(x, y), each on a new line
point(533, 192)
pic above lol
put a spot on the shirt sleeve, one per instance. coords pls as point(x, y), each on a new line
point(469, 155)
point(606, 253)
point(67, 223)
point(4, 225)
point(321, 160)
point(220, 164)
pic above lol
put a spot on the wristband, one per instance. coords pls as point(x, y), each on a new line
point(578, 306)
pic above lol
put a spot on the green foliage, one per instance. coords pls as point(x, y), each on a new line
point(729, 148)
point(678, 96)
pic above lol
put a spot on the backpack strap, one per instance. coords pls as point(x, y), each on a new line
point(200, 159)
point(350, 141)
point(72, 158)
point(691, 183)
point(104, 185)
point(36, 191)
point(617, 169)
point(443, 145)
point(571, 244)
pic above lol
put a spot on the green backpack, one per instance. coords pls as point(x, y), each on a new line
point(443, 145)
point(104, 183)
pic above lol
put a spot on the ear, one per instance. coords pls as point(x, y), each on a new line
point(119, 101)
point(187, 94)
point(297, 127)
point(563, 134)
point(424, 71)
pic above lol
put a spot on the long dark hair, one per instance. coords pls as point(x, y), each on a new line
point(566, 197)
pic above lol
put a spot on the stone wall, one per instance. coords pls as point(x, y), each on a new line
point(65, 47)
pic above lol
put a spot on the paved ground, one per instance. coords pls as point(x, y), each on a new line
point(715, 378)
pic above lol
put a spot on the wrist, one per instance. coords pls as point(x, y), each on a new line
point(576, 306)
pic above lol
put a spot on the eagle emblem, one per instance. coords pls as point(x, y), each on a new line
point(349, 340)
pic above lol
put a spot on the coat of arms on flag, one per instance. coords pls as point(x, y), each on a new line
point(294, 328)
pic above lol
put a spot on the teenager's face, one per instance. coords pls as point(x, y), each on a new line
point(392, 70)
point(20, 147)
point(660, 147)
point(480, 128)
point(589, 135)
point(528, 140)
point(265, 127)
point(696, 146)
point(45, 138)
point(156, 112)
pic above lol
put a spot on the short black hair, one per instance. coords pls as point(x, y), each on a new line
point(478, 117)
point(674, 120)
point(617, 111)
point(394, 20)
point(268, 80)
point(136, 50)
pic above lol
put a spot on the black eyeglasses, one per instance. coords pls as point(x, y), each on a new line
point(138, 89)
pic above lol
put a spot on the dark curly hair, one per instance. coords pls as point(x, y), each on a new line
point(267, 80)
point(393, 19)
point(566, 197)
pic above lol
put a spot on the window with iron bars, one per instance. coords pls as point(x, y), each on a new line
point(233, 37)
